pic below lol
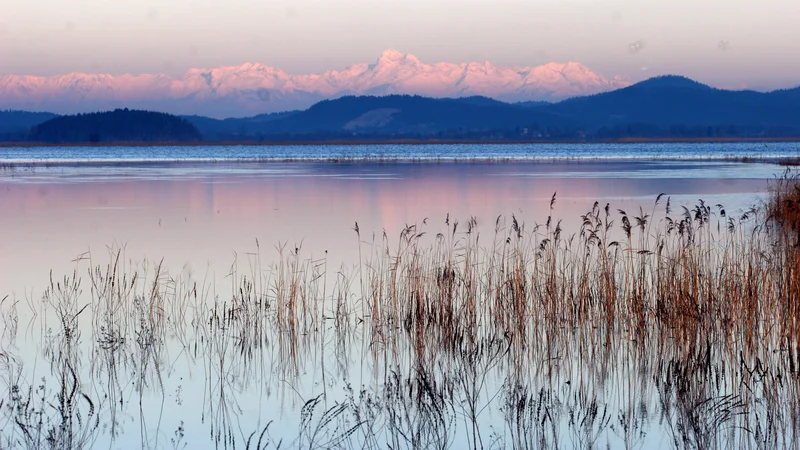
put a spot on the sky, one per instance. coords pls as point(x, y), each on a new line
point(726, 43)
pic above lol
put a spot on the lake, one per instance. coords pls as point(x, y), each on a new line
point(371, 296)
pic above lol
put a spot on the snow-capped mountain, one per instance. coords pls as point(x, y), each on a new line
point(255, 88)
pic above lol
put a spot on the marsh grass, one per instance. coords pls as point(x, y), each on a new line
point(40, 417)
point(678, 322)
point(784, 203)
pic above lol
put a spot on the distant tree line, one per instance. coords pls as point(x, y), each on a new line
point(530, 133)
point(120, 125)
point(645, 130)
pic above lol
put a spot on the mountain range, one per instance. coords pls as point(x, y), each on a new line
point(660, 107)
point(391, 116)
point(252, 89)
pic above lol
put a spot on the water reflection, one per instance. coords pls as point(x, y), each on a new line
point(437, 333)
point(201, 218)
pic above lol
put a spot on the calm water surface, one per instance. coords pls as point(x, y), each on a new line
point(74, 208)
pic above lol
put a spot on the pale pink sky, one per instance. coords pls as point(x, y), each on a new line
point(721, 42)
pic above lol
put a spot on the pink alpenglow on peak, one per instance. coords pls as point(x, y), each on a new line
point(253, 88)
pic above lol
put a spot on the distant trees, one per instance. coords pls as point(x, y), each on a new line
point(15, 125)
point(120, 125)
point(648, 130)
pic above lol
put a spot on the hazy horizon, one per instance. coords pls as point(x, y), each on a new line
point(733, 44)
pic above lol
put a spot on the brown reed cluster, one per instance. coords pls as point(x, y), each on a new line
point(784, 202)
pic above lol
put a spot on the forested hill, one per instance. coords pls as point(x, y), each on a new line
point(675, 106)
point(405, 114)
point(121, 125)
point(15, 125)
point(661, 107)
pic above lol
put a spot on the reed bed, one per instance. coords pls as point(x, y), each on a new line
point(670, 326)
point(783, 206)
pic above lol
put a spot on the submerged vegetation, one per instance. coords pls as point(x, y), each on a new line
point(671, 327)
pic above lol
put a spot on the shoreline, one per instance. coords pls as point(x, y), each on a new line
point(13, 165)
point(379, 142)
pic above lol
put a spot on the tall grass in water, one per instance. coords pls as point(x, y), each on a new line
point(43, 417)
point(783, 208)
point(677, 322)
point(698, 298)
point(784, 203)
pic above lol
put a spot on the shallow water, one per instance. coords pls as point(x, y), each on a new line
point(198, 214)
point(202, 217)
